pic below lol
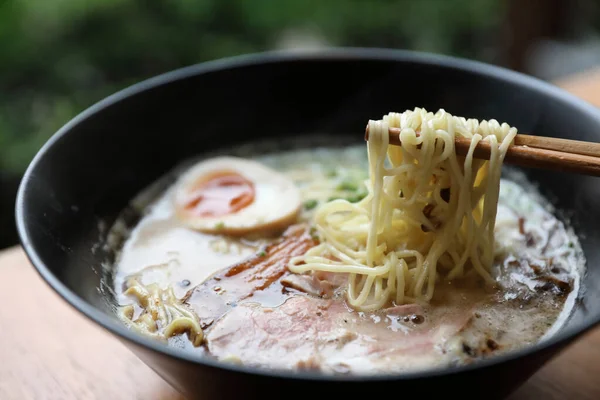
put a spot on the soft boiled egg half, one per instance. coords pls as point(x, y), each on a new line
point(236, 196)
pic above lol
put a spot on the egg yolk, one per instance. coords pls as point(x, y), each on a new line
point(221, 194)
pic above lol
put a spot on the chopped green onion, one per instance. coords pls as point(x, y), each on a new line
point(313, 233)
point(357, 197)
point(310, 204)
point(348, 186)
point(332, 173)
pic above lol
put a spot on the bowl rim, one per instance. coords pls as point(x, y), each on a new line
point(110, 324)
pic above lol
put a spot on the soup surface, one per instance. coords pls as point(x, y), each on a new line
point(236, 301)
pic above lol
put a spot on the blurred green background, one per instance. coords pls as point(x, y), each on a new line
point(58, 57)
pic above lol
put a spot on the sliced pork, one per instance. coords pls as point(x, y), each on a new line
point(216, 295)
point(324, 334)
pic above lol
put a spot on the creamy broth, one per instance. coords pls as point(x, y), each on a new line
point(291, 325)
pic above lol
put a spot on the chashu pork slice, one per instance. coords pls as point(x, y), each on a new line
point(324, 334)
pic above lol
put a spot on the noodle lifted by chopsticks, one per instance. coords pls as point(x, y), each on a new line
point(428, 212)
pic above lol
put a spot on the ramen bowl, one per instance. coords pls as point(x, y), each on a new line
point(87, 173)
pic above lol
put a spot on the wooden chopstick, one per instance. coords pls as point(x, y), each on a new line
point(533, 151)
point(562, 145)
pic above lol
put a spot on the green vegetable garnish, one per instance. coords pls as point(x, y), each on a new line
point(357, 197)
point(310, 204)
point(313, 233)
point(332, 173)
point(262, 254)
point(220, 225)
point(348, 186)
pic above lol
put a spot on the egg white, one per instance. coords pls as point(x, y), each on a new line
point(277, 200)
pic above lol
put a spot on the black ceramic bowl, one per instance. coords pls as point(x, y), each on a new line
point(88, 171)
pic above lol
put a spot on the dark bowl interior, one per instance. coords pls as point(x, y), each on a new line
point(86, 174)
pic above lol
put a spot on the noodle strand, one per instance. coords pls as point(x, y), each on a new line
point(428, 212)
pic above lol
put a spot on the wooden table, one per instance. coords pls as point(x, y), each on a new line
point(49, 351)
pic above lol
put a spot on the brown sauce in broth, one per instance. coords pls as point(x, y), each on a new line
point(305, 323)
